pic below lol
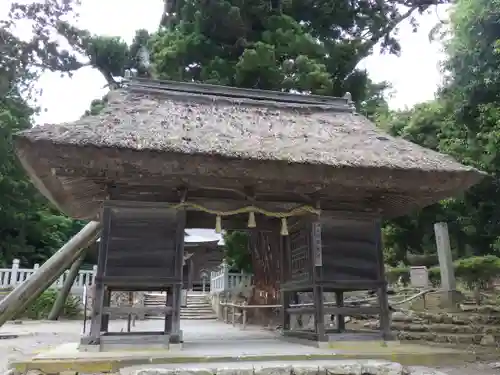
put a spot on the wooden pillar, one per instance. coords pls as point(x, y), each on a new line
point(99, 292)
point(63, 294)
point(319, 308)
point(385, 321)
point(168, 317)
point(176, 335)
point(190, 274)
point(105, 317)
point(284, 272)
point(339, 301)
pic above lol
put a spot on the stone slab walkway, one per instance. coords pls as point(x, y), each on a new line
point(203, 339)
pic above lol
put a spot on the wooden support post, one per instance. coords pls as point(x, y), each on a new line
point(47, 273)
point(319, 300)
point(129, 316)
point(99, 292)
point(169, 302)
point(190, 274)
point(63, 294)
point(40, 290)
point(176, 335)
point(285, 297)
point(339, 301)
point(385, 319)
point(105, 317)
point(244, 319)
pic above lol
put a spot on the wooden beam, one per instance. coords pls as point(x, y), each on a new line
point(47, 273)
point(64, 292)
point(151, 208)
point(244, 187)
point(116, 310)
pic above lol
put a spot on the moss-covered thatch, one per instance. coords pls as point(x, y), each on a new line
point(200, 134)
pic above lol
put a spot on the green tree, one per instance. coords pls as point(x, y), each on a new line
point(30, 229)
point(309, 46)
point(465, 122)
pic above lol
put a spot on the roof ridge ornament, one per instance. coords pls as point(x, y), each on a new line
point(175, 88)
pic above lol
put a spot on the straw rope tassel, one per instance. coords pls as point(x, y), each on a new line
point(284, 227)
point(218, 224)
point(251, 220)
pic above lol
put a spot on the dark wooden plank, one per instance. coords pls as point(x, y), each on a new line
point(308, 335)
point(350, 248)
point(298, 286)
point(347, 272)
point(141, 241)
point(141, 272)
point(131, 280)
point(160, 253)
point(364, 260)
point(350, 285)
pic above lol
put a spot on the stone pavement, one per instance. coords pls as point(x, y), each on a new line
point(202, 338)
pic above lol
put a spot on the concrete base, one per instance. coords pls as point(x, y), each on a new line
point(68, 357)
point(131, 341)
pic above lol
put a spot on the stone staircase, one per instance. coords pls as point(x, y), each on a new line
point(477, 326)
point(198, 306)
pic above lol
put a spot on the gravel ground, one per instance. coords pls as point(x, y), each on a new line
point(40, 336)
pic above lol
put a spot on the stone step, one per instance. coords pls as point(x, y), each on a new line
point(440, 328)
point(199, 317)
point(188, 308)
point(481, 309)
point(458, 318)
point(450, 338)
point(183, 313)
point(276, 367)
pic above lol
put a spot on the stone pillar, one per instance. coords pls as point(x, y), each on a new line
point(450, 296)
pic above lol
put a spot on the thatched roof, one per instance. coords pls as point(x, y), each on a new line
point(196, 132)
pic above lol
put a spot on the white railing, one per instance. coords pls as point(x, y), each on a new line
point(11, 277)
point(221, 280)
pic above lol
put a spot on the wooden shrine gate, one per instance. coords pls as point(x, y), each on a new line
point(141, 249)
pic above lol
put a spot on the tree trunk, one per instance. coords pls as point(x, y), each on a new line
point(265, 261)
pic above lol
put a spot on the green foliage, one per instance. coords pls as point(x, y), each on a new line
point(464, 121)
point(236, 251)
point(30, 229)
point(40, 309)
point(311, 46)
point(477, 271)
point(471, 272)
point(427, 260)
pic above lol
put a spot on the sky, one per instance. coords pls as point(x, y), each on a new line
point(414, 75)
